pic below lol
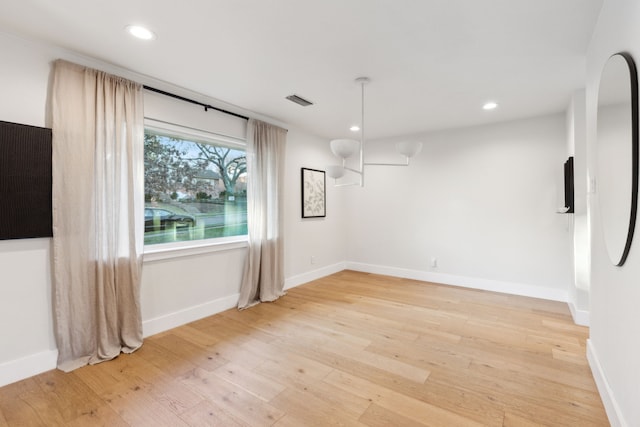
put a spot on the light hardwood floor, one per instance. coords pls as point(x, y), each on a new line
point(350, 349)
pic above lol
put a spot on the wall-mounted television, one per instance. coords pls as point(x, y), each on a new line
point(568, 186)
point(25, 181)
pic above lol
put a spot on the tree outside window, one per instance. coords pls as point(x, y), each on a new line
point(202, 186)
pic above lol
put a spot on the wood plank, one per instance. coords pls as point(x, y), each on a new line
point(350, 322)
point(353, 349)
point(421, 355)
point(196, 336)
point(137, 406)
point(236, 401)
point(412, 408)
point(570, 356)
point(15, 407)
point(68, 395)
point(3, 420)
point(312, 410)
point(256, 384)
point(377, 416)
point(202, 357)
point(526, 395)
point(22, 412)
point(294, 370)
point(103, 415)
point(226, 327)
point(350, 404)
point(156, 355)
point(544, 393)
point(470, 403)
point(209, 414)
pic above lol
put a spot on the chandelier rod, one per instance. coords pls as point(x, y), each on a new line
point(363, 81)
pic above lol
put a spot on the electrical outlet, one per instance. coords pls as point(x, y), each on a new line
point(313, 259)
point(434, 262)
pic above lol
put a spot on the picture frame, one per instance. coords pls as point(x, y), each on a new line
point(313, 186)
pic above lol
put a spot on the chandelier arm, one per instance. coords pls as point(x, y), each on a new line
point(348, 184)
point(359, 172)
point(406, 163)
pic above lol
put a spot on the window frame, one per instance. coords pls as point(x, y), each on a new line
point(161, 251)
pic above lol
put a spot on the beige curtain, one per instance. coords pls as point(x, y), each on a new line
point(263, 278)
point(98, 180)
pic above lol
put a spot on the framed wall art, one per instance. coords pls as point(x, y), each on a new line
point(313, 193)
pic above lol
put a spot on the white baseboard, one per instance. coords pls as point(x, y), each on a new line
point(580, 317)
point(467, 282)
point(310, 276)
point(606, 394)
point(190, 314)
point(19, 369)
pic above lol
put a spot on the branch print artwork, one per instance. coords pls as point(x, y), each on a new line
point(313, 193)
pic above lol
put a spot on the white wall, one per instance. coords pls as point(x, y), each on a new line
point(576, 147)
point(26, 324)
point(321, 238)
point(614, 345)
point(174, 291)
point(482, 200)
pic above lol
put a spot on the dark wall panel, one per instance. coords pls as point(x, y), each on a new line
point(25, 181)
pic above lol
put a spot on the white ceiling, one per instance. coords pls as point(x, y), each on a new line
point(433, 63)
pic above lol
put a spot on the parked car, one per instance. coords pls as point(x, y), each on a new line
point(158, 219)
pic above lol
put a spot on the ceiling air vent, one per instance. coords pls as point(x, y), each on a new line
point(299, 100)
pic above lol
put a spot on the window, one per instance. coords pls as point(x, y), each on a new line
point(194, 185)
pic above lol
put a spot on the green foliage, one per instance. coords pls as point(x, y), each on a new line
point(201, 195)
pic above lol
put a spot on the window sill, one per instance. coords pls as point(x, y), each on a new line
point(153, 253)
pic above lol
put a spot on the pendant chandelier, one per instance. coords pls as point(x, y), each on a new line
point(346, 148)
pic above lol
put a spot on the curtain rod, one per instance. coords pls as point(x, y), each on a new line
point(206, 106)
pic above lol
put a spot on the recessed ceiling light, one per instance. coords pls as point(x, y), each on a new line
point(141, 32)
point(354, 128)
point(490, 106)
